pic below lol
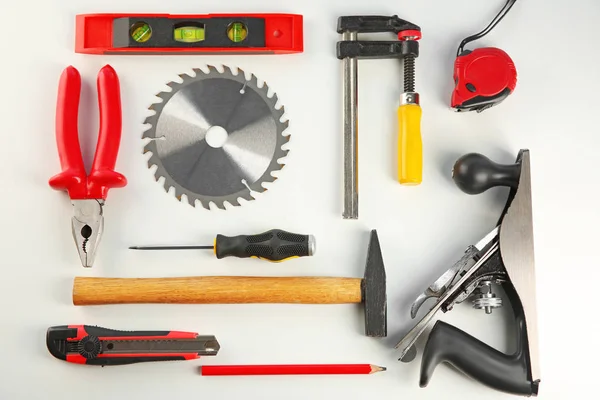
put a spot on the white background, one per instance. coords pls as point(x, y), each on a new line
point(423, 230)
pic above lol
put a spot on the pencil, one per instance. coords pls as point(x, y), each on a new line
point(304, 369)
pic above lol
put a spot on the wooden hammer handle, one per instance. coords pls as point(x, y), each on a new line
point(216, 290)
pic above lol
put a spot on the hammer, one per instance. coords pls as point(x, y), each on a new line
point(371, 290)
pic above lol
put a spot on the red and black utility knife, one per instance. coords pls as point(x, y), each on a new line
point(93, 345)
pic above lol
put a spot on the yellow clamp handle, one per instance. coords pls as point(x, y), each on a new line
point(410, 146)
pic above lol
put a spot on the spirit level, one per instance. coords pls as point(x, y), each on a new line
point(189, 34)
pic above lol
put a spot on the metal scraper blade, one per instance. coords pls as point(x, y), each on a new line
point(197, 169)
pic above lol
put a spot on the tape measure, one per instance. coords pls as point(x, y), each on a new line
point(483, 77)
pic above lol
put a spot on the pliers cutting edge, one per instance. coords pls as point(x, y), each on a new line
point(88, 192)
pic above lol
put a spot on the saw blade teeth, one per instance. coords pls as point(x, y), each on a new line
point(185, 76)
point(173, 85)
point(234, 202)
point(247, 195)
point(163, 96)
point(270, 178)
point(153, 160)
point(149, 121)
point(265, 89)
point(226, 70)
point(280, 112)
point(197, 71)
point(212, 69)
point(157, 174)
point(253, 81)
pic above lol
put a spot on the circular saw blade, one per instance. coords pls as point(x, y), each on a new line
point(189, 164)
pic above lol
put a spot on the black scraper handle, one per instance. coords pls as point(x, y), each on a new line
point(474, 173)
point(274, 245)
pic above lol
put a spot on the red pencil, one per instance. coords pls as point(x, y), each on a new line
point(306, 369)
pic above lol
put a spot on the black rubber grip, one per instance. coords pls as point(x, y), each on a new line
point(273, 245)
point(504, 372)
point(474, 173)
point(105, 332)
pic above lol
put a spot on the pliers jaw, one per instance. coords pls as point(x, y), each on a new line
point(87, 225)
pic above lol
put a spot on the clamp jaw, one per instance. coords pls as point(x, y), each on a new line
point(504, 257)
point(407, 45)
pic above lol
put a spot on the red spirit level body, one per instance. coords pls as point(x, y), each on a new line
point(189, 34)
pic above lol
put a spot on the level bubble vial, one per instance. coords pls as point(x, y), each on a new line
point(141, 32)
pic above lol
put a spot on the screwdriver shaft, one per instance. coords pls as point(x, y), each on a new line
point(172, 247)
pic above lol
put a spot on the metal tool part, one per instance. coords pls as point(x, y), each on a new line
point(87, 225)
point(516, 247)
point(350, 115)
point(202, 345)
point(485, 299)
point(190, 120)
point(504, 257)
point(459, 279)
point(449, 278)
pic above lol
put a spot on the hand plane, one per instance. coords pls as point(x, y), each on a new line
point(503, 257)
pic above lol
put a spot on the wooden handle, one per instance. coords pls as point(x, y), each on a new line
point(216, 290)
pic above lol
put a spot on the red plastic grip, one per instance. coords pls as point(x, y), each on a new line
point(103, 176)
point(73, 177)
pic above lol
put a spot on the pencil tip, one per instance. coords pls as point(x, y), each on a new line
point(134, 248)
point(383, 368)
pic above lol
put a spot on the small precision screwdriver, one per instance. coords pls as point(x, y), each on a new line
point(274, 245)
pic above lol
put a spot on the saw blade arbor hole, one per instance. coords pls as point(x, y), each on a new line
point(216, 136)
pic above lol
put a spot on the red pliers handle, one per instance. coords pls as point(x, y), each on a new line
point(102, 177)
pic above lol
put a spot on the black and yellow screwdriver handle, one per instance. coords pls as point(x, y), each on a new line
point(410, 146)
point(274, 245)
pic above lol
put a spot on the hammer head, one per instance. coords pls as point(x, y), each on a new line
point(374, 294)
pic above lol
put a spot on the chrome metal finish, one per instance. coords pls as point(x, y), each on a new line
point(200, 171)
point(87, 225)
point(485, 299)
point(444, 282)
point(411, 337)
point(350, 113)
point(409, 98)
point(312, 245)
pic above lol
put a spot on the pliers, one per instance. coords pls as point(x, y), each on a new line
point(88, 192)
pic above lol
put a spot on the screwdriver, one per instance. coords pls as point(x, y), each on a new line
point(410, 147)
point(275, 245)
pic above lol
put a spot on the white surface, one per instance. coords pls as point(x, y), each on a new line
point(422, 230)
